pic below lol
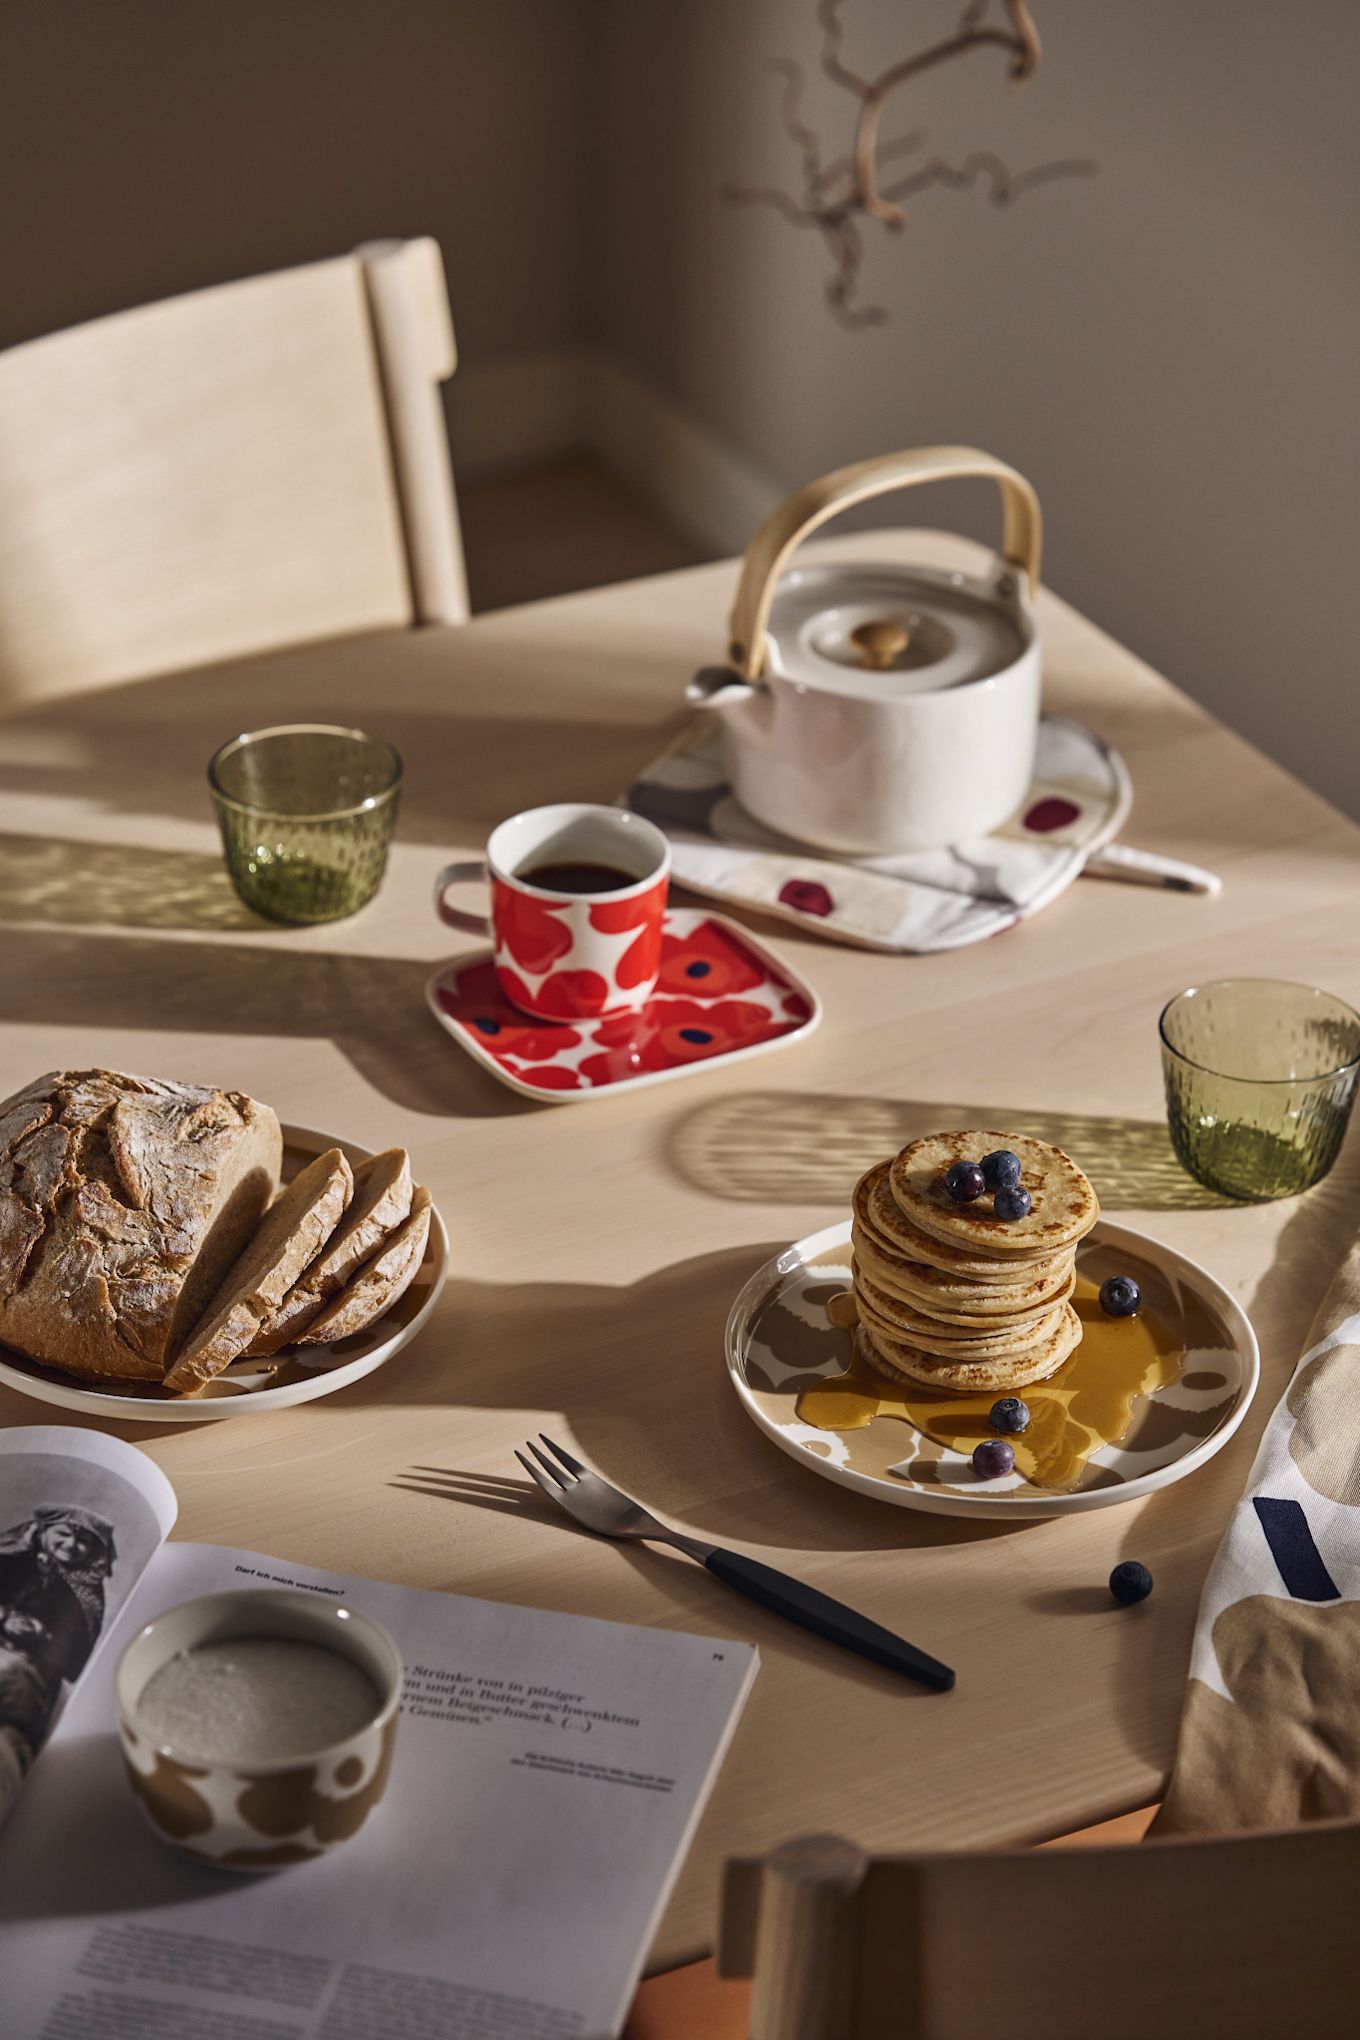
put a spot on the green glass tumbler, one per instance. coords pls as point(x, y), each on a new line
point(306, 812)
point(1260, 1078)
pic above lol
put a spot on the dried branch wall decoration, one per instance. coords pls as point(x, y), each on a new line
point(839, 197)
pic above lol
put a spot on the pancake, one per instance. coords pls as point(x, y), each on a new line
point(954, 1298)
point(994, 1374)
point(879, 1215)
point(920, 1328)
point(1063, 1205)
point(940, 1343)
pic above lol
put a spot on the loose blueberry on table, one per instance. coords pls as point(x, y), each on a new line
point(992, 1458)
point(1130, 1582)
point(1000, 1169)
point(1012, 1202)
point(1120, 1296)
point(1010, 1413)
point(963, 1182)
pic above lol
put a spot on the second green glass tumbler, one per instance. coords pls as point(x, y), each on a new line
point(1260, 1079)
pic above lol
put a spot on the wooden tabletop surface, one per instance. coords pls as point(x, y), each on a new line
point(595, 1249)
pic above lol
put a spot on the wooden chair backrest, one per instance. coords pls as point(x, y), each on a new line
point(249, 466)
point(1244, 1935)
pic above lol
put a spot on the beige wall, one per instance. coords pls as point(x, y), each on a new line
point(153, 146)
point(1169, 352)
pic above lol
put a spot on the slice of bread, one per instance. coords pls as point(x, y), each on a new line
point(380, 1201)
point(292, 1233)
point(376, 1286)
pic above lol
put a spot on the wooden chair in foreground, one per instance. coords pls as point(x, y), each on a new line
point(1247, 1935)
point(246, 467)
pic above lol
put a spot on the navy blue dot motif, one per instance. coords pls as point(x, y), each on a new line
point(697, 970)
point(1294, 1550)
point(698, 1035)
point(485, 1026)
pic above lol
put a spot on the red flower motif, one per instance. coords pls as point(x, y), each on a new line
point(478, 1004)
point(708, 964)
point(551, 1077)
point(638, 964)
point(806, 896)
point(675, 1031)
point(615, 917)
point(1051, 813)
point(573, 994)
point(529, 929)
point(515, 994)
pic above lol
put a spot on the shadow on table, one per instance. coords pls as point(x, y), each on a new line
point(786, 1147)
point(687, 1589)
point(372, 1007)
point(645, 1399)
point(646, 1402)
point(474, 747)
point(61, 883)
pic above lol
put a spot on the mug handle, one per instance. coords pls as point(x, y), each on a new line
point(471, 872)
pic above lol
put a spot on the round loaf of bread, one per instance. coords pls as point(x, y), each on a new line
point(123, 1201)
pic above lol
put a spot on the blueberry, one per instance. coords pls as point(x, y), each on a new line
point(1001, 1169)
point(992, 1458)
point(963, 1182)
point(1129, 1582)
point(1012, 1202)
point(1120, 1296)
point(1010, 1414)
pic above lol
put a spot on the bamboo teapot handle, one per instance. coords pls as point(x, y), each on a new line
point(801, 513)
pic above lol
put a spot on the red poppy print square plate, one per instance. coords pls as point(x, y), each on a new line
point(721, 997)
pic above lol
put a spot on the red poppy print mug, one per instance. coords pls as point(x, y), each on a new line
point(578, 893)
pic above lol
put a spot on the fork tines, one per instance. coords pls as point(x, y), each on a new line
point(559, 1478)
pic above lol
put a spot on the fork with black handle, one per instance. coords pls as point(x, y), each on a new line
point(592, 1502)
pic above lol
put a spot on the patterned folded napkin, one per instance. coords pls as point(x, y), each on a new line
point(941, 899)
point(1270, 1735)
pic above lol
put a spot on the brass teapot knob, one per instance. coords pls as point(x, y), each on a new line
point(880, 644)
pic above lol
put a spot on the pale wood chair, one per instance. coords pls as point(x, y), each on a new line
point(1242, 1935)
point(246, 467)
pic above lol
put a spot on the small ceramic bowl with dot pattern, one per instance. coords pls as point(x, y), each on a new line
point(258, 1725)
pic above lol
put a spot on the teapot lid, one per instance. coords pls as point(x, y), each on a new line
point(889, 631)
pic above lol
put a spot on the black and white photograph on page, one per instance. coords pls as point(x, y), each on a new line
point(75, 1535)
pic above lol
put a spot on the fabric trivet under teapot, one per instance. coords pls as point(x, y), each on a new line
point(931, 900)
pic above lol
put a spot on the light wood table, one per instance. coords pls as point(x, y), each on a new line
point(596, 1248)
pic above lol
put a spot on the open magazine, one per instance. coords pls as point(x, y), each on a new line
point(549, 1771)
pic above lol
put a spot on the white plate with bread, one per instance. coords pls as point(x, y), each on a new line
point(171, 1253)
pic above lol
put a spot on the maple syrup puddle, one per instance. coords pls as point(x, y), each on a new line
point(1088, 1403)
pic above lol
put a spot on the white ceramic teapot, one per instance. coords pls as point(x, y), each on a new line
point(877, 709)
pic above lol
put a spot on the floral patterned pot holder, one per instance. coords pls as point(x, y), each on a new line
point(941, 899)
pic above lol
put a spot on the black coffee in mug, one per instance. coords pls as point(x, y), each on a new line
point(577, 876)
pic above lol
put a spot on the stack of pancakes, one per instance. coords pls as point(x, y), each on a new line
point(950, 1295)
